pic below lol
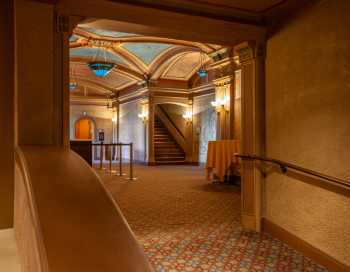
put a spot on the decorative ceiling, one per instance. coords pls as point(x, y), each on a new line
point(136, 57)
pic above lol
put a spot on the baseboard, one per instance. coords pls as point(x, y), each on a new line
point(307, 249)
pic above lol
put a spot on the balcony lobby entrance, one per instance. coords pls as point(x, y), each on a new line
point(173, 84)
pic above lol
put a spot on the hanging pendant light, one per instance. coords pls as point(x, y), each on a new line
point(202, 72)
point(101, 68)
point(73, 86)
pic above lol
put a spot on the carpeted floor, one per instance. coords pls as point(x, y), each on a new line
point(186, 223)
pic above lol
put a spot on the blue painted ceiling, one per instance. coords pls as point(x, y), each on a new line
point(108, 33)
point(97, 54)
point(146, 52)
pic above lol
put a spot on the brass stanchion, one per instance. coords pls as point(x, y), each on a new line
point(131, 164)
point(111, 171)
point(120, 161)
point(101, 156)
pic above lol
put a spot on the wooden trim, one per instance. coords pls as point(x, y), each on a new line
point(304, 247)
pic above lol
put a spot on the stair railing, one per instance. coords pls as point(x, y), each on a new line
point(284, 166)
point(171, 121)
point(172, 128)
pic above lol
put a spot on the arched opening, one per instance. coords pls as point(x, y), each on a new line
point(84, 129)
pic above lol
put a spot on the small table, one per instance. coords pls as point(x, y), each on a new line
point(221, 157)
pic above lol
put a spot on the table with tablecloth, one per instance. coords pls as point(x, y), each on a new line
point(220, 157)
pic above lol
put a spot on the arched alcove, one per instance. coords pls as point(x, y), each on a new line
point(84, 129)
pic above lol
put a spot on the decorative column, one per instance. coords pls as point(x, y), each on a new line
point(251, 59)
point(144, 116)
point(189, 133)
point(151, 112)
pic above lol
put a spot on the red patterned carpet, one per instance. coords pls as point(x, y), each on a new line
point(186, 223)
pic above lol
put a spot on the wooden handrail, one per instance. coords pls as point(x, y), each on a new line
point(171, 121)
point(285, 165)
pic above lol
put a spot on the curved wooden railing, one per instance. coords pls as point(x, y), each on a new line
point(65, 218)
point(26, 220)
point(286, 165)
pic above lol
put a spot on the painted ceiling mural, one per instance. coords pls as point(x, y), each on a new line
point(136, 57)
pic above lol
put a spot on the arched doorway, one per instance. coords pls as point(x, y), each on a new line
point(84, 129)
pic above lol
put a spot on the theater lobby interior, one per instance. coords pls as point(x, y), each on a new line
point(175, 135)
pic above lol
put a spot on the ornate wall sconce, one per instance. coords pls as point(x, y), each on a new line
point(188, 116)
point(143, 115)
point(221, 104)
point(222, 94)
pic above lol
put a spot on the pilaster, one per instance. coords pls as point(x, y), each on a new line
point(42, 62)
point(251, 60)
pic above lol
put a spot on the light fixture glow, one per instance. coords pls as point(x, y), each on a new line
point(214, 103)
point(202, 73)
point(143, 116)
point(73, 85)
point(220, 102)
point(188, 116)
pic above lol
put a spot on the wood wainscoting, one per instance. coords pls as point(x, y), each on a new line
point(304, 247)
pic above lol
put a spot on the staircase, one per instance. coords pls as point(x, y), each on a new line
point(166, 150)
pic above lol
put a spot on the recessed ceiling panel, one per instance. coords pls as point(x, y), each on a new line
point(146, 52)
point(183, 67)
point(108, 33)
point(114, 79)
point(73, 38)
point(97, 54)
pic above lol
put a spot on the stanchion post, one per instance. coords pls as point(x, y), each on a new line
point(101, 156)
point(120, 161)
point(110, 159)
point(131, 163)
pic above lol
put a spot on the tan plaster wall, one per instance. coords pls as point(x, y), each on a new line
point(132, 130)
point(308, 123)
point(6, 116)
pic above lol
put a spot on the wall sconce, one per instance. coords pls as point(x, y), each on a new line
point(220, 104)
point(114, 120)
point(188, 116)
point(143, 116)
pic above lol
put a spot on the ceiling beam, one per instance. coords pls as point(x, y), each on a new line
point(151, 21)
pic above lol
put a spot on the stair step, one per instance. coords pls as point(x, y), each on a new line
point(167, 155)
point(166, 149)
point(170, 162)
point(164, 153)
point(170, 159)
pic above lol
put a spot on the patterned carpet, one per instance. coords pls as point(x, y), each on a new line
point(188, 224)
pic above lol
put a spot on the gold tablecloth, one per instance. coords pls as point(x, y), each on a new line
point(220, 157)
